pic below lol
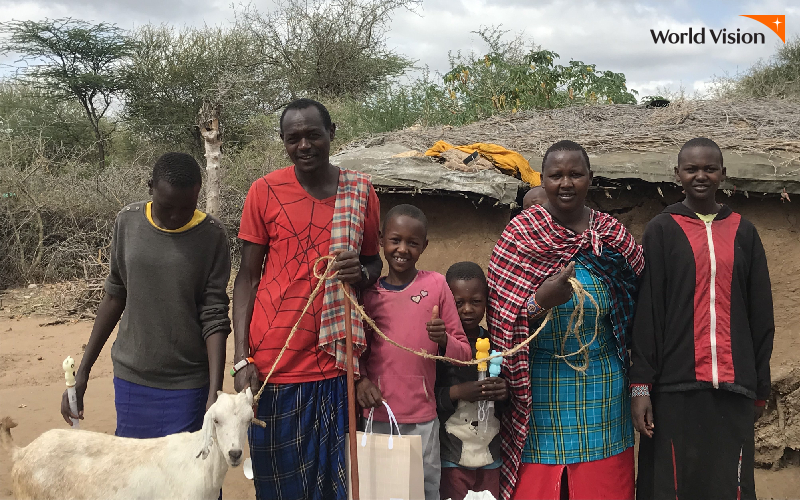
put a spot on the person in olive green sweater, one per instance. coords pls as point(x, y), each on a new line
point(169, 269)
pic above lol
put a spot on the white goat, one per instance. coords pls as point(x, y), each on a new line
point(81, 465)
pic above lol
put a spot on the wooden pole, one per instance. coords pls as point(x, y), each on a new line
point(351, 401)
point(208, 121)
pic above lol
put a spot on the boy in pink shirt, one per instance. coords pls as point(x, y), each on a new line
point(416, 309)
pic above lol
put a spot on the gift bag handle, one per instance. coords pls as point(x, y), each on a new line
point(368, 426)
point(392, 420)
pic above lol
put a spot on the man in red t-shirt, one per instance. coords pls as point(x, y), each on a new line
point(286, 225)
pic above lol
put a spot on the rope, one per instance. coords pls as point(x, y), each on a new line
point(575, 321)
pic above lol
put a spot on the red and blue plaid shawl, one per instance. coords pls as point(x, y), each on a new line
point(532, 248)
point(347, 233)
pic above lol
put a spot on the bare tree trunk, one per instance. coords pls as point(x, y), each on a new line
point(95, 121)
point(208, 121)
point(101, 151)
point(101, 146)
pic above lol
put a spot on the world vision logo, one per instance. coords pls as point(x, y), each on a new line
point(694, 36)
point(775, 23)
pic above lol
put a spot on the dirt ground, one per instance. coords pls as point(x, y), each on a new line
point(31, 352)
point(32, 381)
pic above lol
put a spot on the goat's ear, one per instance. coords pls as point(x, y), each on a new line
point(208, 434)
point(249, 394)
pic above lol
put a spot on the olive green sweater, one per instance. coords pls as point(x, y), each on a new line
point(174, 286)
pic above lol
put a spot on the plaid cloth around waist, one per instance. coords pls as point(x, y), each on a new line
point(300, 455)
point(578, 417)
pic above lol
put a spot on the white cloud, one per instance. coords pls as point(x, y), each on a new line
point(653, 87)
point(614, 35)
point(703, 88)
point(31, 10)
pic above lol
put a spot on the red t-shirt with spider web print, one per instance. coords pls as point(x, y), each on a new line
point(296, 229)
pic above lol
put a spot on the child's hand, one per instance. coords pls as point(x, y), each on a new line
point(490, 389)
point(498, 390)
point(367, 394)
point(436, 330)
point(467, 391)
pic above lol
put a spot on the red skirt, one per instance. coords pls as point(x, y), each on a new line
point(611, 478)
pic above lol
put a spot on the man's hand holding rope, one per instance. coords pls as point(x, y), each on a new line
point(347, 267)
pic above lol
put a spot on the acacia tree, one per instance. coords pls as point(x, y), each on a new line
point(258, 64)
point(173, 72)
point(328, 48)
point(74, 60)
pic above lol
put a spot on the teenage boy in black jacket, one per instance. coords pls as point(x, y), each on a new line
point(702, 341)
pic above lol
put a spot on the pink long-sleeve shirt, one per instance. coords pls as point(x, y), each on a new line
point(406, 380)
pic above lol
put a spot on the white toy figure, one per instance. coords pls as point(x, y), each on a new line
point(463, 424)
point(69, 374)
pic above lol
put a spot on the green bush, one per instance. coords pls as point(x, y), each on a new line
point(777, 77)
point(511, 77)
point(32, 124)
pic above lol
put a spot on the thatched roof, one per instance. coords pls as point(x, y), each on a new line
point(421, 174)
point(760, 140)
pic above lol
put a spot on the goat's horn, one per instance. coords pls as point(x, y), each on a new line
point(259, 422)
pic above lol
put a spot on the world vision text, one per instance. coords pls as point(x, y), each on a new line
point(699, 37)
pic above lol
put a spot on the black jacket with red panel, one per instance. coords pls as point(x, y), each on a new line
point(704, 317)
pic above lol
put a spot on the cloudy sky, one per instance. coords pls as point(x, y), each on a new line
point(614, 34)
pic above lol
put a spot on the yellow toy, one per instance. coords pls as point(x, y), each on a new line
point(482, 346)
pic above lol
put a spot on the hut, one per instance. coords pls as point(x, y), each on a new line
point(633, 151)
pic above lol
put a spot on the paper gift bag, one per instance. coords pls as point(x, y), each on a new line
point(389, 465)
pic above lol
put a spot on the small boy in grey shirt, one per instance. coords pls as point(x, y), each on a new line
point(170, 265)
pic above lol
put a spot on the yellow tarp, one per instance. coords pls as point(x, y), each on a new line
point(509, 162)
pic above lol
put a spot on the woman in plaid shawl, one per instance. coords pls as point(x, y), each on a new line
point(568, 432)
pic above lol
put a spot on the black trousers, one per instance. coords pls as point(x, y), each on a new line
point(702, 447)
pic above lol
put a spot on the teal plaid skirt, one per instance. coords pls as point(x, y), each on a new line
point(578, 417)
